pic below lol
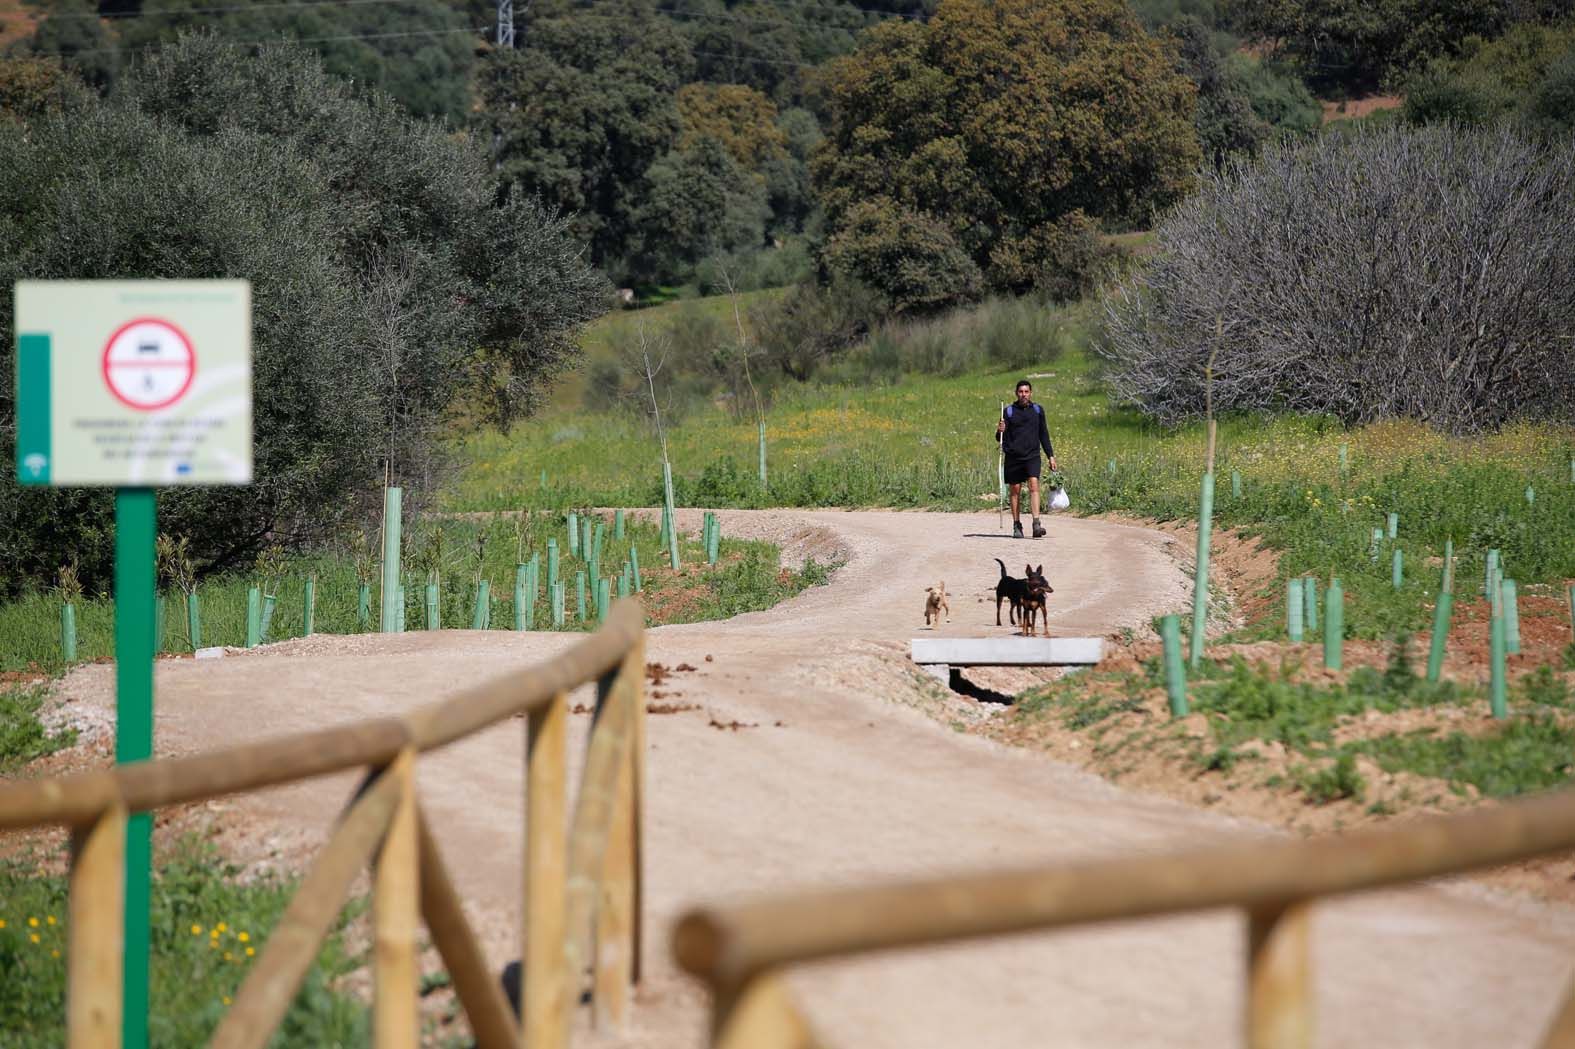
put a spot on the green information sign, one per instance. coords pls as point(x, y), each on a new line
point(133, 383)
point(136, 385)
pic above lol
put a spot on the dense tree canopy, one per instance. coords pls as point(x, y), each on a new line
point(387, 279)
point(997, 121)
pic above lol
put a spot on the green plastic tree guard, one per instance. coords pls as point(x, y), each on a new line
point(574, 534)
point(1496, 647)
point(399, 611)
point(194, 620)
point(1394, 525)
point(1397, 568)
point(634, 568)
point(618, 525)
point(1235, 484)
point(521, 578)
point(762, 453)
point(552, 566)
point(253, 617)
point(309, 607)
point(68, 632)
point(1531, 496)
point(1333, 625)
point(1200, 580)
point(1293, 609)
point(579, 588)
point(1175, 673)
point(1376, 544)
point(1449, 565)
point(1511, 617)
point(1435, 651)
point(392, 501)
point(478, 612)
point(1490, 572)
point(363, 607)
point(434, 608)
point(1309, 604)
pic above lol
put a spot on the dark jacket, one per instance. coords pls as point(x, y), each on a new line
point(1026, 433)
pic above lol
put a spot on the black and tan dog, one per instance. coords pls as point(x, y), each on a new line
point(1034, 602)
point(1009, 588)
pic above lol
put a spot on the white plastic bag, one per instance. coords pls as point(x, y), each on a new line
point(1058, 499)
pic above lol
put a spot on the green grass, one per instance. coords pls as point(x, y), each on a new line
point(194, 973)
point(746, 578)
point(1527, 753)
point(23, 737)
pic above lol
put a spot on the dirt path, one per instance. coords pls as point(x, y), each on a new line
point(834, 775)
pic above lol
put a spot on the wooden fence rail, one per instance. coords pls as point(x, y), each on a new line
point(583, 889)
point(741, 951)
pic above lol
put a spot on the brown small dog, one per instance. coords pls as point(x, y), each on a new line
point(935, 604)
point(1034, 602)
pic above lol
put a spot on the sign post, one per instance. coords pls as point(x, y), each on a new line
point(134, 385)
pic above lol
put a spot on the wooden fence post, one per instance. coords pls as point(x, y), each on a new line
point(396, 908)
point(1279, 980)
point(546, 983)
point(93, 957)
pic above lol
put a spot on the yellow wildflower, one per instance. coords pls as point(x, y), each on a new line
point(33, 936)
point(54, 954)
point(228, 956)
point(2, 923)
point(243, 936)
point(32, 923)
point(225, 999)
point(50, 920)
point(250, 951)
point(221, 927)
point(196, 930)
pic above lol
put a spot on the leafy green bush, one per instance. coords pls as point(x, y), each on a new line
point(1527, 754)
point(1332, 782)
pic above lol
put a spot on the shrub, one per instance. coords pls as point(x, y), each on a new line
point(1395, 272)
point(908, 255)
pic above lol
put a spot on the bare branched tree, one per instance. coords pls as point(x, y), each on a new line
point(1423, 273)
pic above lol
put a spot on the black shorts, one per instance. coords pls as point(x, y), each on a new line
point(1021, 470)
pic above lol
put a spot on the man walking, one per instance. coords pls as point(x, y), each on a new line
point(1021, 432)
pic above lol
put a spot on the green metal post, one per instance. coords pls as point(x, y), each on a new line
point(634, 566)
point(194, 620)
point(393, 521)
point(253, 617)
point(1511, 617)
point(309, 609)
point(1333, 625)
point(1394, 525)
point(68, 632)
point(136, 525)
point(1397, 568)
point(1496, 647)
point(1435, 652)
point(1200, 581)
point(1175, 673)
point(1293, 609)
point(1310, 603)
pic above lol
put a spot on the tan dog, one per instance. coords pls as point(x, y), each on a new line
point(935, 603)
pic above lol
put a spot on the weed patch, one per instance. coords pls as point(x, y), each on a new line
point(23, 737)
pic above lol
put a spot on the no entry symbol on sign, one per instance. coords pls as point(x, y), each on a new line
point(149, 364)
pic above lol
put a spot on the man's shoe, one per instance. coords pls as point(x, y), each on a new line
point(1039, 529)
point(1017, 529)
